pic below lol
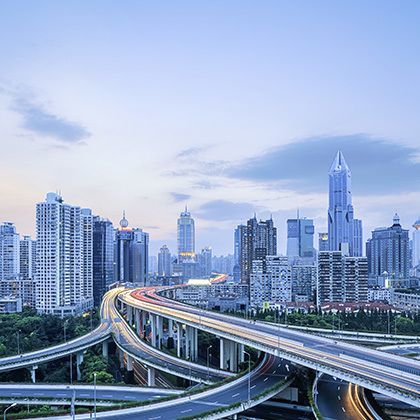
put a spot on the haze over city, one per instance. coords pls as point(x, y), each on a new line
point(229, 107)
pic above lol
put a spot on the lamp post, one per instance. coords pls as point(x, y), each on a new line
point(208, 361)
point(18, 341)
point(7, 409)
point(65, 328)
point(249, 376)
point(94, 395)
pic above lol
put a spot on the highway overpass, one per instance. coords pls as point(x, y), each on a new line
point(390, 375)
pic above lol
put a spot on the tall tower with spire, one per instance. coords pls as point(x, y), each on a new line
point(186, 235)
point(344, 232)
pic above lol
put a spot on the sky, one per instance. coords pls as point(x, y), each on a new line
point(229, 107)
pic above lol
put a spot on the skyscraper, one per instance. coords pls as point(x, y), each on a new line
point(416, 243)
point(357, 238)
point(206, 261)
point(341, 278)
point(388, 251)
point(61, 243)
point(131, 254)
point(341, 227)
point(186, 235)
point(164, 261)
point(258, 239)
point(103, 257)
point(300, 238)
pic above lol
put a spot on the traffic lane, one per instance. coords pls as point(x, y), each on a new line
point(333, 399)
point(146, 353)
point(95, 335)
point(327, 345)
point(81, 392)
point(261, 379)
point(275, 413)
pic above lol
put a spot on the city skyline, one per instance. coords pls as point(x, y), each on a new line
point(231, 126)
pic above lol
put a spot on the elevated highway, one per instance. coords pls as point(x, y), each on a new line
point(387, 374)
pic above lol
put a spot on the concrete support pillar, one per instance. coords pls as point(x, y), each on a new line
point(188, 342)
point(178, 339)
point(153, 329)
point(137, 321)
point(33, 373)
point(130, 315)
point(241, 353)
point(233, 356)
point(105, 349)
point(170, 328)
point(129, 363)
point(79, 361)
point(121, 357)
point(159, 321)
point(194, 344)
point(151, 375)
point(223, 359)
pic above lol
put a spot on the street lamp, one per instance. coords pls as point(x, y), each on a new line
point(94, 395)
point(8, 408)
point(65, 327)
point(18, 340)
point(208, 362)
point(249, 376)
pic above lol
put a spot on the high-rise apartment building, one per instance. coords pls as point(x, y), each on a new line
point(300, 238)
point(164, 261)
point(270, 281)
point(60, 272)
point(103, 257)
point(87, 252)
point(343, 232)
point(258, 239)
point(341, 278)
point(416, 244)
point(27, 270)
point(9, 252)
point(10, 283)
point(388, 252)
point(304, 277)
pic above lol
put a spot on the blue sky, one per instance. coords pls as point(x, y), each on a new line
point(231, 107)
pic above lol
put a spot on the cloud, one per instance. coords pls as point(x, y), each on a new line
point(180, 197)
point(221, 210)
point(39, 121)
point(378, 165)
point(190, 152)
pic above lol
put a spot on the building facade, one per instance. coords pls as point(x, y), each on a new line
point(258, 239)
point(416, 244)
point(388, 252)
point(270, 281)
point(341, 278)
point(103, 257)
point(131, 254)
point(164, 261)
point(344, 233)
point(300, 238)
point(60, 287)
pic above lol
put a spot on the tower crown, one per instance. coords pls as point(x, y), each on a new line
point(339, 163)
